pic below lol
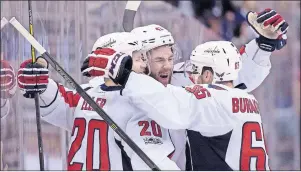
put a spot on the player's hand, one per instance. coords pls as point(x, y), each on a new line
point(108, 63)
point(8, 80)
point(271, 28)
point(95, 65)
point(33, 78)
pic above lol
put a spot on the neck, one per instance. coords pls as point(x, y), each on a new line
point(226, 83)
point(109, 82)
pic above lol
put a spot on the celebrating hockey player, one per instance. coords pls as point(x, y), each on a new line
point(149, 136)
point(223, 122)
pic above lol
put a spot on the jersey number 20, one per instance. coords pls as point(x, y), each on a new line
point(93, 125)
point(155, 128)
point(249, 151)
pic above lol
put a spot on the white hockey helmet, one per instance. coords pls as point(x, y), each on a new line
point(222, 56)
point(153, 36)
point(121, 41)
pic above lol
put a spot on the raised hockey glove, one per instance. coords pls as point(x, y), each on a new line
point(8, 80)
point(271, 28)
point(114, 65)
point(32, 78)
point(95, 64)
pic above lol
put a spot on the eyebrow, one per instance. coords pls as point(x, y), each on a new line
point(157, 58)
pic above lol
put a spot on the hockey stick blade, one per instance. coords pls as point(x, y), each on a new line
point(4, 21)
point(129, 15)
point(83, 93)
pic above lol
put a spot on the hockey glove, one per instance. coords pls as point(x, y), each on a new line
point(8, 80)
point(108, 63)
point(95, 64)
point(271, 28)
point(32, 78)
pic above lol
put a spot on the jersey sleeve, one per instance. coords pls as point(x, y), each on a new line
point(174, 107)
point(159, 102)
point(256, 66)
point(57, 105)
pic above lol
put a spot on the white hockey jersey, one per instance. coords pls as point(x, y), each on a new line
point(153, 139)
point(224, 124)
point(93, 143)
point(256, 67)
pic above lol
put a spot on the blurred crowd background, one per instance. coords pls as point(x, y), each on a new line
point(68, 29)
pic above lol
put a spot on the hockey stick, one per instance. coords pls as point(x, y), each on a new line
point(36, 95)
point(82, 93)
point(129, 15)
point(3, 22)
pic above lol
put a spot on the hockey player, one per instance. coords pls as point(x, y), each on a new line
point(154, 140)
point(92, 146)
point(150, 137)
point(223, 122)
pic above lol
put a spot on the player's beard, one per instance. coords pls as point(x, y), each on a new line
point(161, 77)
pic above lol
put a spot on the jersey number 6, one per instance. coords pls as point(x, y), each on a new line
point(249, 151)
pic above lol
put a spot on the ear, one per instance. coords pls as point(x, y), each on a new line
point(207, 76)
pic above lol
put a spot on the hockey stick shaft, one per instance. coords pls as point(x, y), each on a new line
point(36, 95)
point(129, 15)
point(83, 94)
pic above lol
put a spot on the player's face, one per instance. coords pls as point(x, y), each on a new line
point(161, 64)
point(139, 66)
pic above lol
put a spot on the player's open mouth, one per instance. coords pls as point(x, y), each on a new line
point(164, 76)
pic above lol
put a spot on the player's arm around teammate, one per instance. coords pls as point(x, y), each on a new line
point(271, 28)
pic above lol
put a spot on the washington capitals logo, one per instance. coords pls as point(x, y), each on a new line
point(220, 75)
point(212, 51)
point(110, 43)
